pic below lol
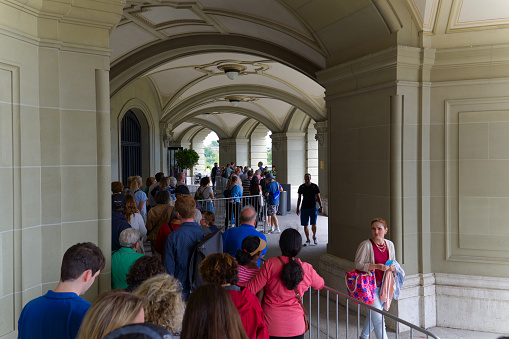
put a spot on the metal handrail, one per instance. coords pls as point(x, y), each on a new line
point(220, 206)
point(359, 305)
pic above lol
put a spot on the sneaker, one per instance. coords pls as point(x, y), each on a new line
point(308, 243)
point(315, 240)
point(276, 231)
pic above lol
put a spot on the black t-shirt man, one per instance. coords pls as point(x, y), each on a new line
point(308, 195)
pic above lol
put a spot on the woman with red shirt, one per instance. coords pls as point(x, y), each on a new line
point(283, 313)
point(372, 254)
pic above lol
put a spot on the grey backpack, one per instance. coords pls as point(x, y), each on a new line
point(210, 243)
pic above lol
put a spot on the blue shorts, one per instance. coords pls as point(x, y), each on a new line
point(309, 214)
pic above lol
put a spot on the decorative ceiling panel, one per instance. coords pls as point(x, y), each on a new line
point(261, 10)
point(158, 15)
point(252, 79)
point(277, 108)
point(307, 49)
point(425, 12)
point(137, 37)
point(212, 107)
point(476, 14)
point(170, 81)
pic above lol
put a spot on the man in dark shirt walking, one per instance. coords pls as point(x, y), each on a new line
point(308, 210)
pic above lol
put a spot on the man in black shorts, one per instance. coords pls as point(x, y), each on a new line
point(308, 211)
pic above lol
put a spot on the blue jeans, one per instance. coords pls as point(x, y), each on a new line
point(376, 320)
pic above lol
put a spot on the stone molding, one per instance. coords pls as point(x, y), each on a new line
point(63, 25)
point(321, 133)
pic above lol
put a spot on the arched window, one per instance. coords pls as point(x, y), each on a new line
point(130, 141)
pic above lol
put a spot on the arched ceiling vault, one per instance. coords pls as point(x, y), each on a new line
point(195, 100)
point(204, 112)
point(138, 63)
point(245, 129)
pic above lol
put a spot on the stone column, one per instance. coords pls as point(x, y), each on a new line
point(236, 150)
point(323, 163)
point(54, 134)
point(102, 82)
point(289, 157)
point(258, 147)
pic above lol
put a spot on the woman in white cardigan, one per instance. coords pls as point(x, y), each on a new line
point(372, 255)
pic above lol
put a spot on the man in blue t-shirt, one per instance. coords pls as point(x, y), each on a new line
point(232, 238)
point(272, 191)
point(59, 313)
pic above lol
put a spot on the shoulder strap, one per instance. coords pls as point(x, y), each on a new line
point(162, 215)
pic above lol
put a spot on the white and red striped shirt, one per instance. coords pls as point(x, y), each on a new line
point(246, 274)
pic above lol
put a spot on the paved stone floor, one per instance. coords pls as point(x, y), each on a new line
point(312, 255)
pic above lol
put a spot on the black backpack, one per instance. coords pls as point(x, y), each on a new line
point(227, 193)
point(210, 243)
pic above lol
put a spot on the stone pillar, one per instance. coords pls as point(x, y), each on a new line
point(236, 150)
point(321, 137)
point(258, 146)
point(198, 146)
point(289, 157)
point(54, 133)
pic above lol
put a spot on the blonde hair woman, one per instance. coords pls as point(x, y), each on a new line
point(140, 196)
point(165, 305)
point(110, 311)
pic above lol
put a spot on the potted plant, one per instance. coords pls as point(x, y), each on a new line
point(186, 158)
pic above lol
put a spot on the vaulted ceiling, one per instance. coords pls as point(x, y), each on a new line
point(180, 46)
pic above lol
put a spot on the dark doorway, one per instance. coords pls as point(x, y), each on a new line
point(130, 141)
point(172, 163)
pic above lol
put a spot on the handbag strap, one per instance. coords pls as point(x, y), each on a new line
point(295, 290)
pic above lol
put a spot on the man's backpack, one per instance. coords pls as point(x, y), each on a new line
point(197, 197)
point(227, 193)
point(210, 243)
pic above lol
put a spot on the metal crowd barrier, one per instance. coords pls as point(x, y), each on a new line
point(227, 210)
point(333, 318)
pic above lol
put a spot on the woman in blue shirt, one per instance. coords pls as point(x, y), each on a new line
point(233, 204)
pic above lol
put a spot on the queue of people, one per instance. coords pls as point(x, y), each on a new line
point(244, 294)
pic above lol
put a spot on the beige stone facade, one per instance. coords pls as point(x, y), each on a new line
point(402, 105)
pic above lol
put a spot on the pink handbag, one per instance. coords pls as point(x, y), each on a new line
point(361, 286)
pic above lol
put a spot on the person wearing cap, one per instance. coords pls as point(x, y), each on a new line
point(181, 190)
point(233, 237)
point(248, 257)
point(271, 191)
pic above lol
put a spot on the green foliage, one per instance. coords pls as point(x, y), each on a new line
point(269, 157)
point(214, 143)
point(186, 158)
point(211, 156)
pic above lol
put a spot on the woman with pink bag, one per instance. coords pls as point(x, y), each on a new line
point(373, 254)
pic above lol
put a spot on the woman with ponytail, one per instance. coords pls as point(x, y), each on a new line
point(248, 256)
point(283, 277)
